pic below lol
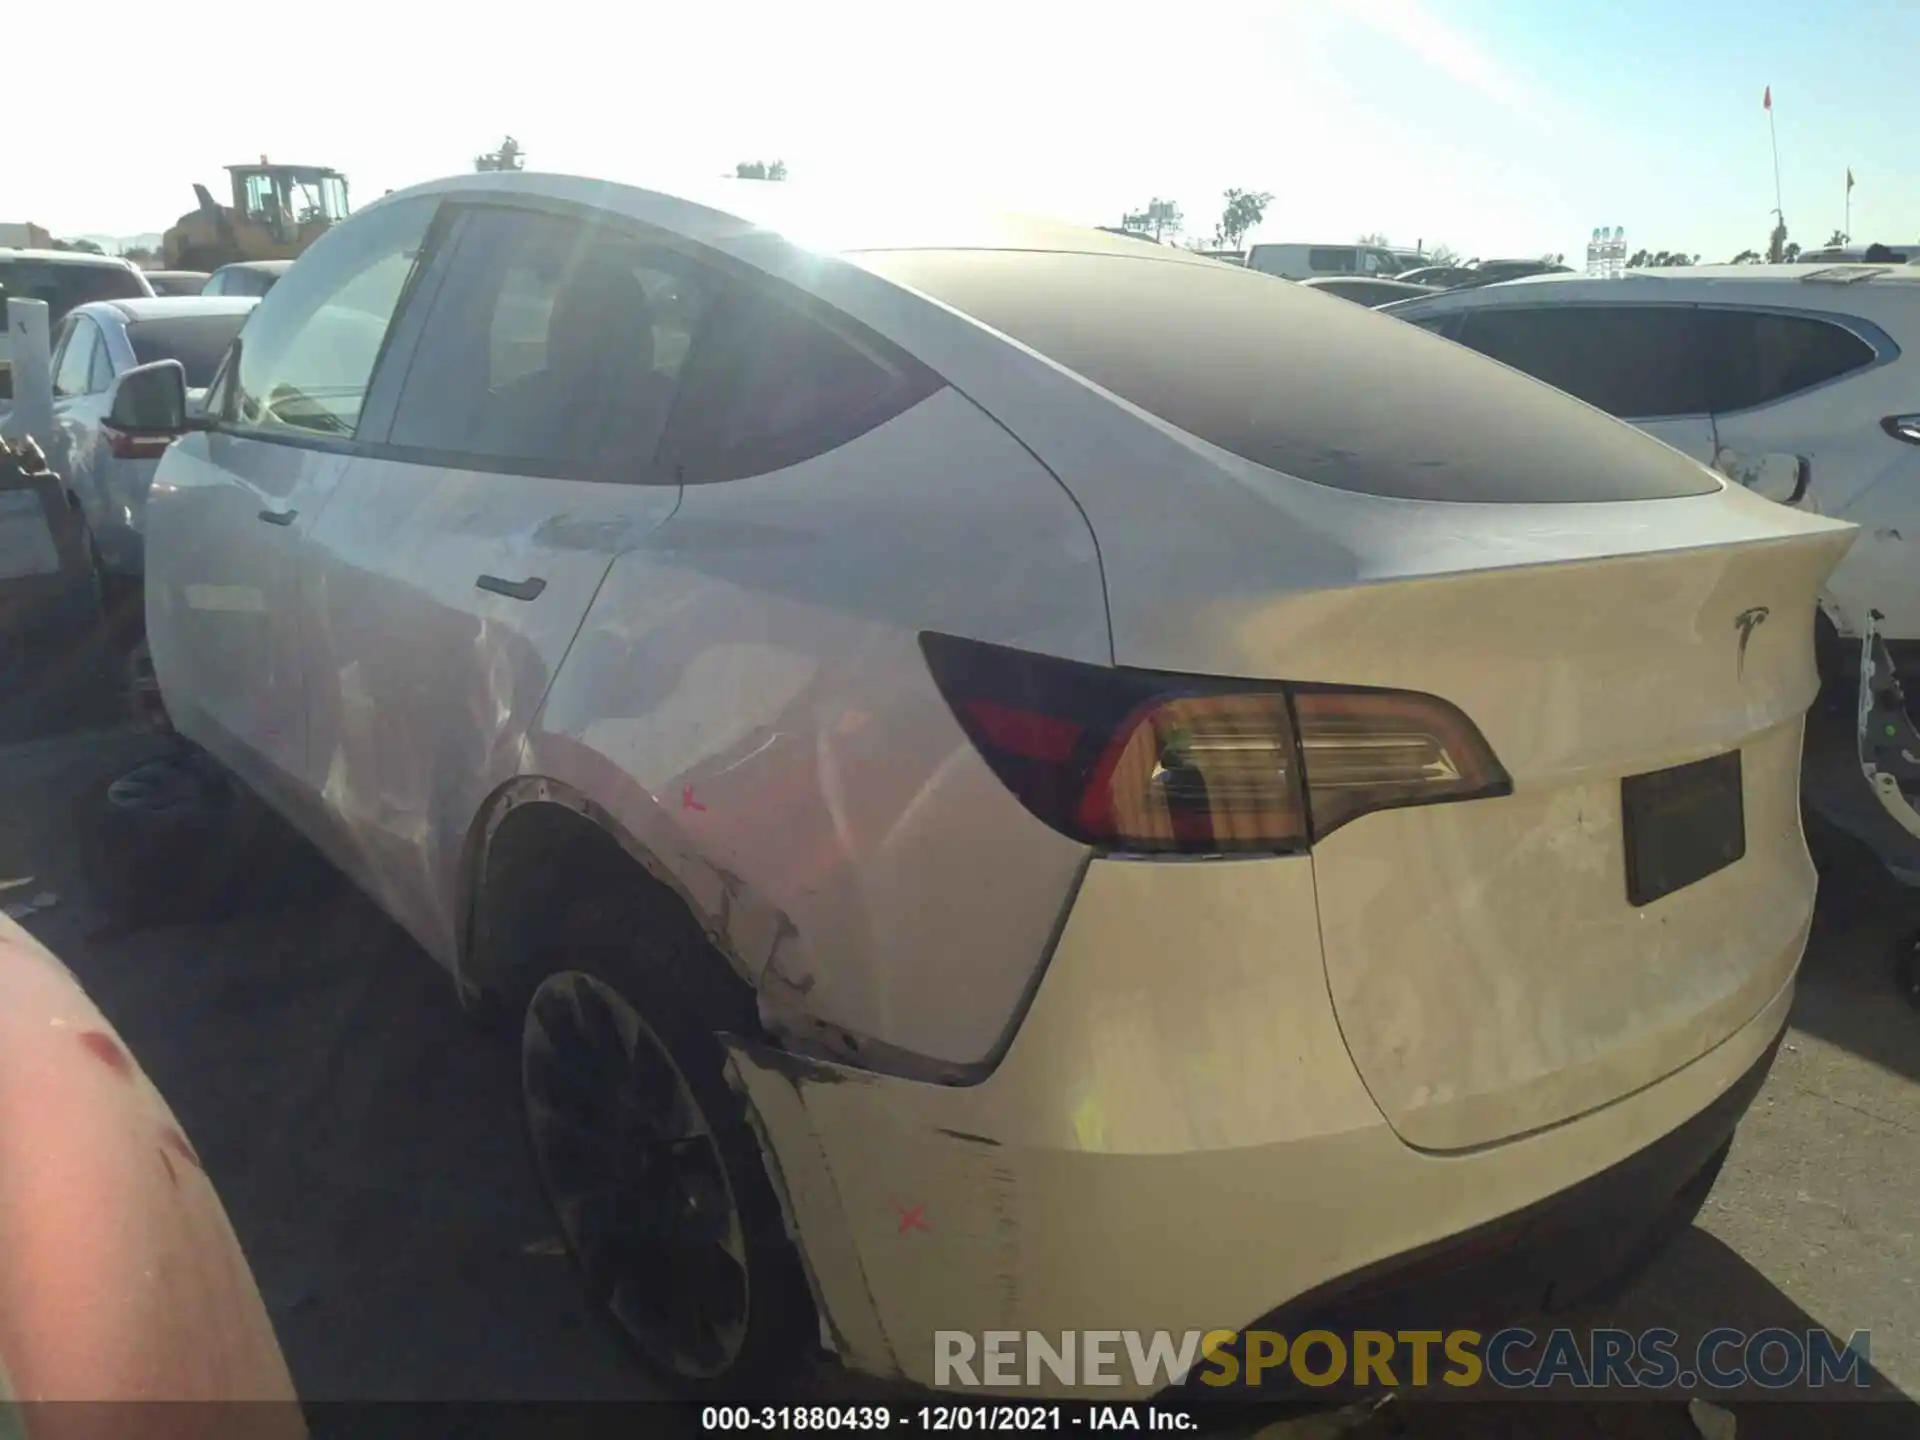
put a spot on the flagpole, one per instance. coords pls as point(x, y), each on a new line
point(1848, 222)
point(1774, 135)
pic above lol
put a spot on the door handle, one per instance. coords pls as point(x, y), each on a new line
point(528, 589)
point(279, 517)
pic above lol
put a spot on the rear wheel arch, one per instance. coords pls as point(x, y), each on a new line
point(543, 860)
point(559, 898)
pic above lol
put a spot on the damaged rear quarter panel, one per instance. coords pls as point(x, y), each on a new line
point(1889, 741)
point(748, 700)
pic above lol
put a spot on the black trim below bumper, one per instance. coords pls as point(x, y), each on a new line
point(1579, 1245)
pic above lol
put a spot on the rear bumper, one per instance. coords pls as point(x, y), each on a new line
point(1575, 1245)
point(1169, 1150)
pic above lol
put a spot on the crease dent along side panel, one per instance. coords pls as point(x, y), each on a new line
point(749, 700)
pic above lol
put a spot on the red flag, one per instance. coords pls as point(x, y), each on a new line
point(1766, 102)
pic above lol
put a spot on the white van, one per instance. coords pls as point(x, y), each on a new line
point(1308, 262)
point(1860, 255)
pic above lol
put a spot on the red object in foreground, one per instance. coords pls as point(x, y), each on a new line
point(120, 1277)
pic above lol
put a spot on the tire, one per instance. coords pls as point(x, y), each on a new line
point(616, 1062)
point(1838, 664)
point(118, 598)
point(176, 839)
point(1906, 960)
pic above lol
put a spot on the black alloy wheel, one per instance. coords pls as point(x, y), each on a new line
point(635, 1175)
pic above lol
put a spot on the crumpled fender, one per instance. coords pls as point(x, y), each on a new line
point(1889, 741)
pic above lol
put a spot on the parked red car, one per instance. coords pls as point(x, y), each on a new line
point(120, 1277)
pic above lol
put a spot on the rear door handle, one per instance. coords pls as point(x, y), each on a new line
point(279, 517)
point(528, 589)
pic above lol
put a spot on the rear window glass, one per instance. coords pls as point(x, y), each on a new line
point(1759, 358)
point(197, 341)
point(1639, 362)
point(65, 286)
point(1304, 384)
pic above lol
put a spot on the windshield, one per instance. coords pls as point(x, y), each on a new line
point(197, 341)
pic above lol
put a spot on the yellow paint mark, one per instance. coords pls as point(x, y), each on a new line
point(1089, 1125)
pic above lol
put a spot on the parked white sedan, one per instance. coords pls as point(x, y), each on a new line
point(1009, 778)
point(107, 469)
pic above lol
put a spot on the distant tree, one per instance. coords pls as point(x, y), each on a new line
point(1657, 259)
point(1777, 243)
point(508, 157)
point(87, 246)
point(1441, 254)
point(1160, 220)
point(1793, 252)
point(760, 170)
point(1839, 237)
point(1373, 237)
point(1244, 210)
point(1746, 257)
point(140, 255)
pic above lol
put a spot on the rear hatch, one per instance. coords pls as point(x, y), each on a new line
point(1503, 964)
point(1297, 489)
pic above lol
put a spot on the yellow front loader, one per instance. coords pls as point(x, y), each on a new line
point(277, 211)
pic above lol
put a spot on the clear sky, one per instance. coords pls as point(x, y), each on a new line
point(1497, 126)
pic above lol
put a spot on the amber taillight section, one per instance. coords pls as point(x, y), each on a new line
point(1140, 762)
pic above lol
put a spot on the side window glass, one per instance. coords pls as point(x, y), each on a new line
point(1636, 362)
point(1760, 358)
point(57, 341)
point(75, 367)
point(778, 385)
point(1331, 261)
point(100, 379)
point(215, 404)
point(555, 346)
point(311, 346)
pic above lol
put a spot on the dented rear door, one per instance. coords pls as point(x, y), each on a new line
point(446, 583)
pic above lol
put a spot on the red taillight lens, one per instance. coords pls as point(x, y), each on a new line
point(1145, 763)
point(126, 446)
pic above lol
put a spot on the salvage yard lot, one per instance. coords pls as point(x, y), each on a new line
point(365, 1140)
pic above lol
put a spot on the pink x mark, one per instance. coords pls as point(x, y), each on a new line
point(687, 802)
point(912, 1217)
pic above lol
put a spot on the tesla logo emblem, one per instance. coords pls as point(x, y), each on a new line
point(1746, 622)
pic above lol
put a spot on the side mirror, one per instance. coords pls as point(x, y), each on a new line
point(150, 400)
point(1779, 477)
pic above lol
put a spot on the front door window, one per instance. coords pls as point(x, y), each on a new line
point(309, 350)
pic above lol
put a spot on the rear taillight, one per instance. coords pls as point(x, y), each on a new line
point(127, 446)
point(1141, 762)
